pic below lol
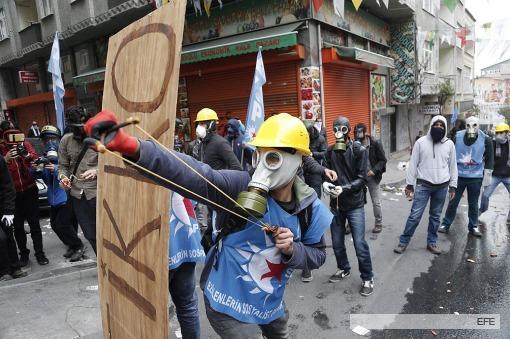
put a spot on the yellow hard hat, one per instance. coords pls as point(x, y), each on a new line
point(283, 130)
point(206, 114)
point(502, 128)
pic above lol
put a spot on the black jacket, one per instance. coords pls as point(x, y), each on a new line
point(7, 192)
point(216, 152)
point(318, 147)
point(351, 168)
point(501, 168)
point(377, 158)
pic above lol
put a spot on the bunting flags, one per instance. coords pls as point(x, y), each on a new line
point(207, 7)
point(462, 35)
point(160, 3)
point(221, 4)
point(451, 4)
point(317, 4)
point(386, 3)
point(357, 3)
point(255, 114)
point(339, 6)
point(58, 84)
point(197, 7)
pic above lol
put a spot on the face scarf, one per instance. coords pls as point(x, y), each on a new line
point(501, 140)
point(437, 134)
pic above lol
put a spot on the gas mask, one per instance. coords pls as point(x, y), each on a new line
point(273, 169)
point(472, 128)
point(52, 150)
point(360, 133)
point(341, 133)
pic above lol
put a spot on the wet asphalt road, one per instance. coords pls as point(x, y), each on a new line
point(60, 300)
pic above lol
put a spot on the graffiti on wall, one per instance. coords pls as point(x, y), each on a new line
point(402, 50)
point(378, 84)
point(310, 92)
point(245, 16)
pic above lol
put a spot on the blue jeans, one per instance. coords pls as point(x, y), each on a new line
point(356, 220)
point(422, 194)
point(473, 187)
point(181, 283)
point(487, 192)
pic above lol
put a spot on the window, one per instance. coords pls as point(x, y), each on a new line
point(3, 24)
point(45, 8)
point(82, 60)
point(431, 6)
point(428, 58)
point(466, 80)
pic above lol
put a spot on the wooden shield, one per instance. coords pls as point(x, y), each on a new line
point(142, 74)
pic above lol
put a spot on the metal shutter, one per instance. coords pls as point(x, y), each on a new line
point(346, 92)
point(230, 91)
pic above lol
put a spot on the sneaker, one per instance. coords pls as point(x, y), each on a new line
point(367, 287)
point(339, 275)
point(377, 229)
point(18, 273)
point(69, 253)
point(475, 232)
point(443, 229)
point(5, 277)
point(433, 249)
point(77, 255)
point(400, 248)
point(42, 260)
point(23, 260)
point(306, 276)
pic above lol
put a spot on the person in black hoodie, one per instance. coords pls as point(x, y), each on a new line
point(9, 261)
point(318, 147)
point(349, 159)
point(376, 168)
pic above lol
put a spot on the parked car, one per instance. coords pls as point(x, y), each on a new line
point(41, 185)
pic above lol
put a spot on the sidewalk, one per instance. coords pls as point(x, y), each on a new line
point(395, 176)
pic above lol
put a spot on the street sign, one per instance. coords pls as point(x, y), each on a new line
point(429, 109)
point(28, 77)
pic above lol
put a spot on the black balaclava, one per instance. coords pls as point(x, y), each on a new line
point(437, 133)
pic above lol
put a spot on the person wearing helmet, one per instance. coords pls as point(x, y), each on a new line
point(247, 269)
point(78, 172)
point(475, 161)
point(501, 172)
point(349, 159)
point(18, 154)
point(62, 219)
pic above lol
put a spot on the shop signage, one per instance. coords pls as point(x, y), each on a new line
point(28, 77)
point(429, 109)
point(239, 48)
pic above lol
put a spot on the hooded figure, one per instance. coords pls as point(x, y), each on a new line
point(475, 160)
point(235, 135)
point(431, 174)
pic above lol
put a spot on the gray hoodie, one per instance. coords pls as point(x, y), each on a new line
point(433, 162)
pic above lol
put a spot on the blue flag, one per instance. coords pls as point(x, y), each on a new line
point(255, 114)
point(455, 115)
point(58, 84)
point(248, 279)
point(184, 242)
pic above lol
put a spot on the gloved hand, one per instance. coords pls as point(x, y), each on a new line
point(331, 189)
point(487, 177)
point(118, 140)
point(8, 219)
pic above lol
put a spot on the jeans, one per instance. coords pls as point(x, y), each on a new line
point(487, 192)
point(8, 253)
point(356, 218)
point(473, 191)
point(181, 284)
point(375, 196)
point(62, 222)
point(85, 211)
point(27, 208)
point(229, 328)
point(422, 194)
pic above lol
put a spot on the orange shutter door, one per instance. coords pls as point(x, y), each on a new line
point(346, 93)
point(230, 91)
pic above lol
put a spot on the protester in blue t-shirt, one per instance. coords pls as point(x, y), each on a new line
point(247, 269)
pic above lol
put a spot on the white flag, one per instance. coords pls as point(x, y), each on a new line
point(339, 7)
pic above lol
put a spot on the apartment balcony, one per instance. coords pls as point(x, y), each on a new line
point(31, 35)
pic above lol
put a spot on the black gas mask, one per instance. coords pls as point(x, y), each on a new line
point(341, 128)
point(76, 117)
point(361, 131)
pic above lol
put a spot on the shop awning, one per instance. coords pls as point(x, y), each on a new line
point(364, 56)
point(89, 77)
point(270, 38)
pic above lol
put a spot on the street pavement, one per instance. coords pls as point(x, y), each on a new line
point(61, 300)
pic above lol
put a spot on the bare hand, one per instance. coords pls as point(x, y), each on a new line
point(332, 176)
point(89, 174)
point(65, 183)
point(50, 167)
point(285, 241)
point(370, 173)
point(451, 195)
point(409, 194)
point(12, 154)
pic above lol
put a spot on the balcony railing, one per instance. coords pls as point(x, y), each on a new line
point(31, 35)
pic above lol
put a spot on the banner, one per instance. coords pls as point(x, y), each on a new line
point(255, 114)
point(58, 84)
